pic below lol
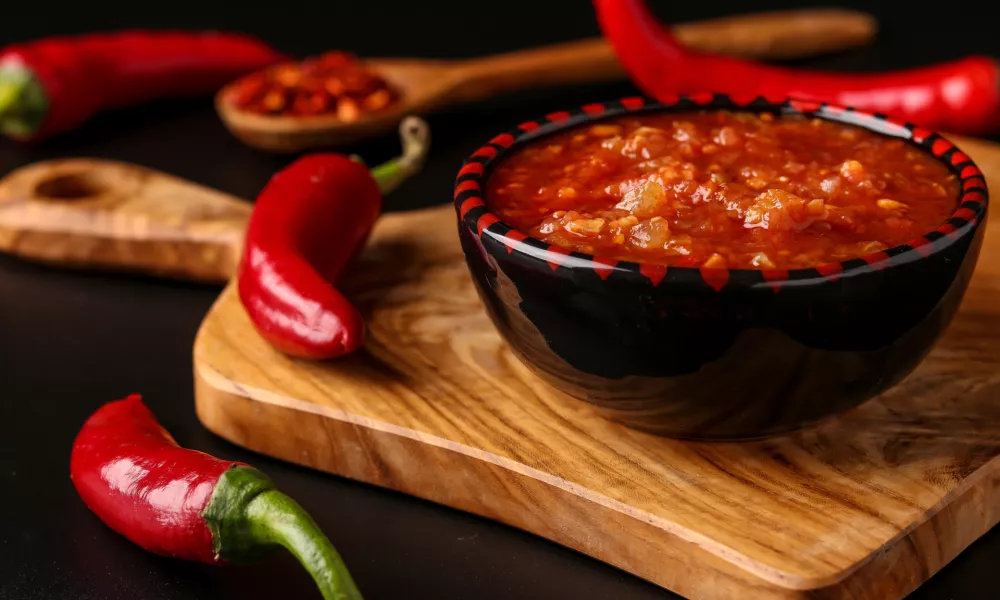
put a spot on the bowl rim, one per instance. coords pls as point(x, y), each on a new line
point(470, 204)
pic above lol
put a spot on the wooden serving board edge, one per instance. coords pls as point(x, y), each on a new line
point(234, 412)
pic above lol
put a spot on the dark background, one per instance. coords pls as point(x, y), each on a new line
point(71, 341)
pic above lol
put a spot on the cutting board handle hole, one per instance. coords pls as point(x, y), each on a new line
point(70, 186)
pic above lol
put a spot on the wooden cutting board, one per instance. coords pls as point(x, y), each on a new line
point(866, 506)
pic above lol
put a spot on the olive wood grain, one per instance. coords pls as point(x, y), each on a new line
point(430, 85)
point(103, 214)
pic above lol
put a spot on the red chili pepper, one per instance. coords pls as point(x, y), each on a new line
point(186, 504)
point(961, 96)
point(308, 223)
point(53, 85)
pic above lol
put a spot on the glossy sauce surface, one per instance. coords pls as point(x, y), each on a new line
point(723, 189)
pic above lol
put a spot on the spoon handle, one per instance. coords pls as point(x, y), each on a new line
point(100, 214)
point(781, 35)
point(769, 35)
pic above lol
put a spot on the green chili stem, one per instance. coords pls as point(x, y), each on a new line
point(276, 518)
point(23, 103)
point(249, 518)
point(10, 93)
point(415, 136)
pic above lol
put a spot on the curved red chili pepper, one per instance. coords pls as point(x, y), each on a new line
point(186, 504)
point(308, 223)
point(55, 84)
point(961, 96)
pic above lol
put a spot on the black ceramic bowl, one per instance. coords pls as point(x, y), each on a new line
point(719, 353)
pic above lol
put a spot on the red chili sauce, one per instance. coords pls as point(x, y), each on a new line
point(723, 189)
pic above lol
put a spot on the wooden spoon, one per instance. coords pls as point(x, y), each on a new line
point(102, 214)
point(429, 85)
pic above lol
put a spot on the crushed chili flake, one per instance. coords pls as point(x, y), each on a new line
point(720, 188)
point(335, 83)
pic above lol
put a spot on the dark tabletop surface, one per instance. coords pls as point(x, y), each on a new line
point(72, 341)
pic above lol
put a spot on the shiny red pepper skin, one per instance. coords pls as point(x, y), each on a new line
point(186, 504)
point(134, 476)
point(961, 96)
point(85, 75)
point(310, 220)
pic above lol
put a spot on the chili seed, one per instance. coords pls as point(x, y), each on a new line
point(348, 110)
point(586, 227)
point(852, 170)
point(288, 75)
point(762, 260)
point(335, 87)
point(716, 261)
point(887, 204)
point(816, 207)
point(310, 104)
point(605, 130)
point(377, 100)
point(274, 101)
